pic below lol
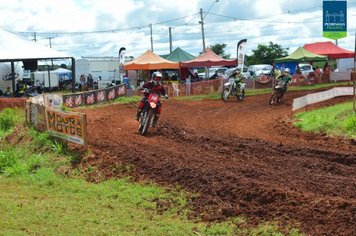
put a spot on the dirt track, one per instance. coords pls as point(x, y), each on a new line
point(243, 158)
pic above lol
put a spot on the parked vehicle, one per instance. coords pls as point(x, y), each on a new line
point(278, 92)
point(231, 89)
point(306, 69)
point(258, 70)
point(219, 70)
point(149, 112)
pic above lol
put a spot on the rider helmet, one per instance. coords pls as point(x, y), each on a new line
point(156, 77)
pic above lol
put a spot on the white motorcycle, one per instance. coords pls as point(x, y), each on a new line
point(232, 89)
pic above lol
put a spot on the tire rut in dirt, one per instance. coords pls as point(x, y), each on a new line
point(250, 177)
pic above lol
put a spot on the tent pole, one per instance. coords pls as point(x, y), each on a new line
point(73, 75)
point(13, 77)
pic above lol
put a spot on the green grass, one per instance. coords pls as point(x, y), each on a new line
point(338, 120)
point(8, 119)
point(42, 193)
point(252, 92)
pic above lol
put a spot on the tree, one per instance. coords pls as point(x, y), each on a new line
point(266, 54)
point(219, 49)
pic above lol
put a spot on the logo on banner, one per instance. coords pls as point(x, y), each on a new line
point(241, 53)
point(66, 126)
point(334, 19)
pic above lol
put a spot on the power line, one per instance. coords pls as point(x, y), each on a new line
point(206, 13)
point(263, 21)
point(106, 31)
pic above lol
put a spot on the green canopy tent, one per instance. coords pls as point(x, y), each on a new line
point(179, 55)
point(301, 55)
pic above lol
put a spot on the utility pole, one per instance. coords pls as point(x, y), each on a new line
point(50, 42)
point(170, 39)
point(337, 60)
point(202, 27)
point(151, 37)
point(50, 45)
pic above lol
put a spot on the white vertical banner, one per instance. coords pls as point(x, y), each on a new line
point(241, 53)
point(121, 62)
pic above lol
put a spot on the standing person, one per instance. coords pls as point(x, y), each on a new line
point(7, 92)
point(282, 69)
point(326, 72)
point(154, 85)
point(187, 85)
point(196, 76)
point(82, 82)
point(90, 82)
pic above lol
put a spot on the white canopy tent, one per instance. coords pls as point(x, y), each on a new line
point(14, 48)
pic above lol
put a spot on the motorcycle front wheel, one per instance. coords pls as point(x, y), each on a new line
point(146, 122)
point(225, 95)
point(273, 99)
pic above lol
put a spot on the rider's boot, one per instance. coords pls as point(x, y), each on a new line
point(155, 120)
point(137, 117)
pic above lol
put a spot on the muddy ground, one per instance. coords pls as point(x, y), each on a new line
point(243, 158)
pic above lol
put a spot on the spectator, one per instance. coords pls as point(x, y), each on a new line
point(326, 73)
point(283, 68)
point(187, 85)
point(82, 82)
point(7, 92)
point(196, 76)
point(90, 82)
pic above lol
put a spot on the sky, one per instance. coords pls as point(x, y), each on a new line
point(99, 28)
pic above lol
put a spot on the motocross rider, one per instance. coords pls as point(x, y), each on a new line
point(286, 79)
point(238, 78)
point(154, 85)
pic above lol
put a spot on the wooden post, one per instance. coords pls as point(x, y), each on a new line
point(353, 79)
point(85, 125)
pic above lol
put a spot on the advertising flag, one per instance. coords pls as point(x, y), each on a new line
point(121, 62)
point(241, 53)
point(334, 19)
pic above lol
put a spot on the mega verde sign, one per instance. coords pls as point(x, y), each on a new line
point(334, 19)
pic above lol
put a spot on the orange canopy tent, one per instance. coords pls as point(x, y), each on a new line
point(150, 61)
point(328, 49)
point(208, 58)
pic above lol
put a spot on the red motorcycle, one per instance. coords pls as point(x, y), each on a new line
point(148, 113)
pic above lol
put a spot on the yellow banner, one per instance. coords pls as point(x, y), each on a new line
point(67, 126)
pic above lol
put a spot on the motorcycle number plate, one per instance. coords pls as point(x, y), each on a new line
point(231, 81)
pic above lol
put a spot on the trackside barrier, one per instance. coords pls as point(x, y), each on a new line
point(12, 102)
point(44, 113)
point(321, 96)
point(94, 96)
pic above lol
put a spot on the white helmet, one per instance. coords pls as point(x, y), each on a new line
point(156, 74)
point(156, 77)
point(287, 70)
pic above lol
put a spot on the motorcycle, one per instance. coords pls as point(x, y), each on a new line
point(278, 92)
point(148, 113)
point(230, 89)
